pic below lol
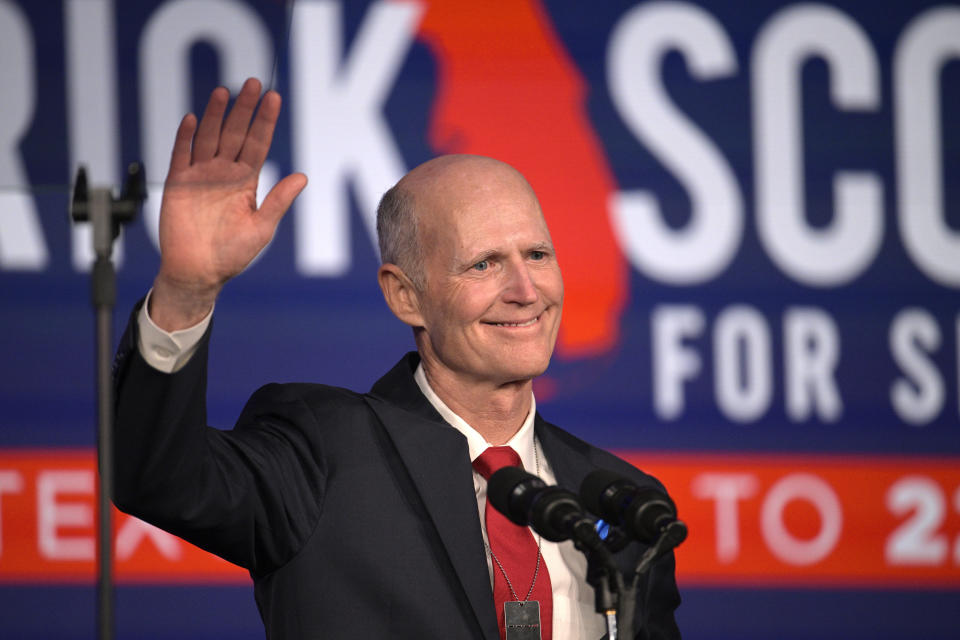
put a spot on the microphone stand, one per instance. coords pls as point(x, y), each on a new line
point(615, 596)
point(106, 214)
point(608, 587)
point(557, 514)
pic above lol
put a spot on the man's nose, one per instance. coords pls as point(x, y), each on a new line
point(520, 287)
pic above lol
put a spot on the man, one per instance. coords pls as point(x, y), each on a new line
point(359, 515)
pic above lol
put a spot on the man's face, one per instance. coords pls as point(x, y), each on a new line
point(493, 296)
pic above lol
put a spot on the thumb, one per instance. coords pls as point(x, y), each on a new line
point(280, 198)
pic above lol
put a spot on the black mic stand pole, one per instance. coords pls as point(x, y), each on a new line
point(615, 596)
point(607, 583)
point(605, 578)
point(105, 214)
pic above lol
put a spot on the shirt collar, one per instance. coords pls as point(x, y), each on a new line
point(521, 442)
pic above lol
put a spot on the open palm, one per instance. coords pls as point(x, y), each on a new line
point(210, 226)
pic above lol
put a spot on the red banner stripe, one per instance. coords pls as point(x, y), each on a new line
point(48, 529)
point(754, 519)
point(814, 520)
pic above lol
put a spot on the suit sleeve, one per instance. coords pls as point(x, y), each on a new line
point(251, 495)
point(659, 598)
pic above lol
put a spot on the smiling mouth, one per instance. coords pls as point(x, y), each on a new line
point(527, 323)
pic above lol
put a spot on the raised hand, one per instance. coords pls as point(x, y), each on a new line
point(210, 226)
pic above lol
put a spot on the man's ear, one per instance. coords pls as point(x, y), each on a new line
point(400, 294)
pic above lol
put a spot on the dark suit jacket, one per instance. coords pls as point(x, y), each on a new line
point(354, 513)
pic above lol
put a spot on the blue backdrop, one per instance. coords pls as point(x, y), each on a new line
point(782, 206)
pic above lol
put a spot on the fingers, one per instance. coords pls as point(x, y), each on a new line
point(207, 139)
point(180, 158)
point(281, 197)
point(235, 127)
point(233, 139)
point(257, 143)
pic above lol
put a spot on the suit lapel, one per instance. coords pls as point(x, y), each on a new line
point(568, 458)
point(438, 461)
point(571, 460)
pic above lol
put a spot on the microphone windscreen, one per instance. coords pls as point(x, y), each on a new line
point(501, 487)
point(593, 487)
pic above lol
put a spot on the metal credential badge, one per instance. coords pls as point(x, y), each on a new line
point(522, 620)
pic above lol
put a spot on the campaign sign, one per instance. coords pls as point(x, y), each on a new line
point(756, 208)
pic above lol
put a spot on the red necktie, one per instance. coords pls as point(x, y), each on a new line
point(514, 552)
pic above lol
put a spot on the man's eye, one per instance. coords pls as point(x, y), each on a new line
point(538, 255)
point(481, 266)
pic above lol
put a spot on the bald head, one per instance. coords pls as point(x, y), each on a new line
point(453, 177)
point(431, 194)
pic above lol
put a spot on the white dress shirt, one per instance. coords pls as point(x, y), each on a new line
point(165, 351)
point(574, 617)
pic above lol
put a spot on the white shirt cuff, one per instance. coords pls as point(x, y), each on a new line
point(164, 351)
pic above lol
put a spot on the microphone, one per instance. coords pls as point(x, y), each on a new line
point(554, 513)
point(645, 513)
